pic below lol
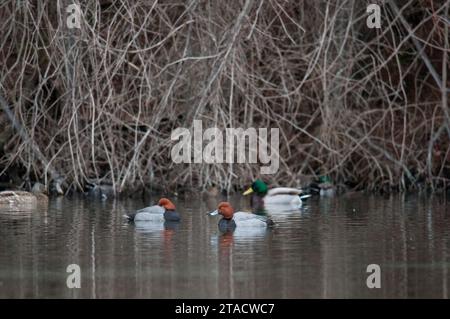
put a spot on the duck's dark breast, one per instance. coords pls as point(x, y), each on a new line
point(130, 216)
point(226, 225)
point(171, 216)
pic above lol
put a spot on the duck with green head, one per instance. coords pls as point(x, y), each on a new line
point(324, 186)
point(276, 197)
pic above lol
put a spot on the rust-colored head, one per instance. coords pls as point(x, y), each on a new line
point(226, 210)
point(166, 203)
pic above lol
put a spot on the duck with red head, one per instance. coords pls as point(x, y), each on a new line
point(164, 211)
point(231, 219)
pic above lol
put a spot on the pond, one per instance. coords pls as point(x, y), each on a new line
point(320, 251)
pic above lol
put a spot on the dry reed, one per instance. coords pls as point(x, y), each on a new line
point(368, 107)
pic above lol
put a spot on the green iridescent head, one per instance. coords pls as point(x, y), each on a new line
point(258, 187)
point(324, 179)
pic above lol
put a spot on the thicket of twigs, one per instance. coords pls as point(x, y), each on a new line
point(368, 107)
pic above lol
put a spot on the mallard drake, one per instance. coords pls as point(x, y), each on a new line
point(262, 196)
point(164, 211)
point(230, 219)
point(324, 187)
point(12, 199)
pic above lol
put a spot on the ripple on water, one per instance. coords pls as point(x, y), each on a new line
point(320, 250)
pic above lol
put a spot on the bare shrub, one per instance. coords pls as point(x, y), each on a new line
point(365, 106)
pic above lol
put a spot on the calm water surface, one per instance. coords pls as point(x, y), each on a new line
point(321, 251)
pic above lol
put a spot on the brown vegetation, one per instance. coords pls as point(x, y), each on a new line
point(368, 107)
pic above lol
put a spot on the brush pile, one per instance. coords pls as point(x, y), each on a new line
point(367, 107)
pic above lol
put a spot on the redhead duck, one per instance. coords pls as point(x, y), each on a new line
point(231, 219)
point(164, 211)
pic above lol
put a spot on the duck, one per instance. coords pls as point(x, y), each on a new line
point(23, 199)
point(231, 219)
point(262, 196)
point(324, 187)
point(164, 211)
